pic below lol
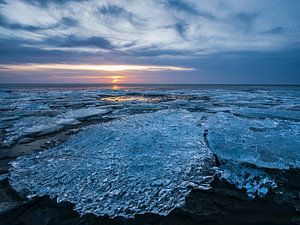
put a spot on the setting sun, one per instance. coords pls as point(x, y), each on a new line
point(115, 87)
point(116, 79)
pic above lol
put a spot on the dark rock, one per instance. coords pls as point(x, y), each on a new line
point(217, 161)
point(222, 204)
point(9, 199)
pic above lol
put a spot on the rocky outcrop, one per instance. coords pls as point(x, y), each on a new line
point(222, 204)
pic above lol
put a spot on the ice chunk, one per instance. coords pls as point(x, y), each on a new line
point(138, 164)
point(265, 142)
point(83, 113)
point(255, 181)
point(37, 126)
point(32, 126)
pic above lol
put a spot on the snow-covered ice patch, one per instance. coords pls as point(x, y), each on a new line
point(138, 164)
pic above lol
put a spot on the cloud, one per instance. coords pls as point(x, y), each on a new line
point(166, 32)
point(181, 6)
point(90, 67)
point(25, 14)
point(74, 41)
point(274, 30)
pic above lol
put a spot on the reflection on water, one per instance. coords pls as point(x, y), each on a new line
point(128, 98)
point(115, 87)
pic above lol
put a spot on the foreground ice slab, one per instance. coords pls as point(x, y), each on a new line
point(142, 163)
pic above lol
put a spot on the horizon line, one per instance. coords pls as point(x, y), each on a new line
point(120, 84)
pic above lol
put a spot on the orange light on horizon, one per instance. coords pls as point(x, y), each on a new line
point(115, 87)
point(89, 67)
point(102, 78)
point(116, 79)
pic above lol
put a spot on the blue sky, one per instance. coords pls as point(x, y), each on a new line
point(230, 41)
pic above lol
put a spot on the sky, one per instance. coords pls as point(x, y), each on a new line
point(150, 41)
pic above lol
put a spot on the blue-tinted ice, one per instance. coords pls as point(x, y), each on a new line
point(268, 142)
point(146, 159)
point(143, 163)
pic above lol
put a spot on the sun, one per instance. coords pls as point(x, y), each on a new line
point(115, 87)
point(116, 79)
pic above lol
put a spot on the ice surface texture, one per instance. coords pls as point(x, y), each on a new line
point(138, 164)
point(132, 163)
point(255, 181)
point(271, 143)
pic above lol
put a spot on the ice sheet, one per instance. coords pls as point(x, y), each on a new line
point(141, 163)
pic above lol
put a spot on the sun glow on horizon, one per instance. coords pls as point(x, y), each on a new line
point(113, 74)
point(116, 79)
point(90, 67)
point(115, 87)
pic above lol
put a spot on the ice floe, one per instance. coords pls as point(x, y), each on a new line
point(266, 142)
point(138, 164)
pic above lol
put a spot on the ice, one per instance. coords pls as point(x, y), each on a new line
point(3, 176)
point(31, 126)
point(279, 114)
point(138, 164)
point(37, 126)
point(265, 142)
point(83, 113)
point(256, 125)
point(255, 181)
